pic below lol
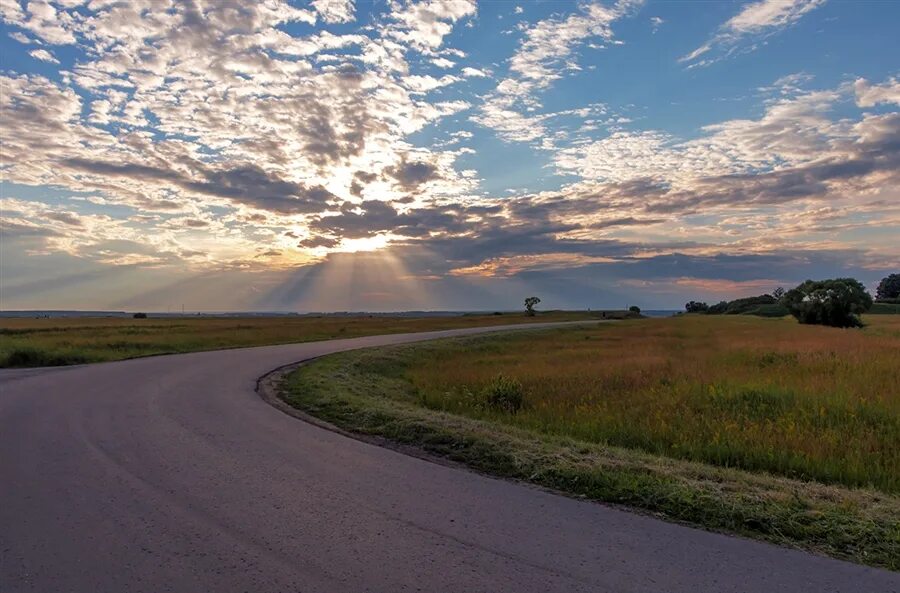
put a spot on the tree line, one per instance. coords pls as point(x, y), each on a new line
point(837, 302)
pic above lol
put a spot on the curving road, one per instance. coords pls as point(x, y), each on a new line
point(171, 474)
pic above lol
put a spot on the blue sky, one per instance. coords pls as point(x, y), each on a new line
point(444, 154)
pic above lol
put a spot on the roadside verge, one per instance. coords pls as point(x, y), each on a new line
point(351, 393)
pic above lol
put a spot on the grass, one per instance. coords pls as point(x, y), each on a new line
point(885, 309)
point(755, 426)
point(29, 342)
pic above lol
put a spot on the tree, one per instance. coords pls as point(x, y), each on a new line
point(696, 307)
point(140, 316)
point(718, 309)
point(778, 293)
point(634, 309)
point(888, 288)
point(836, 302)
point(530, 302)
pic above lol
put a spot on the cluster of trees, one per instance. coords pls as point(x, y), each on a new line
point(837, 302)
point(888, 290)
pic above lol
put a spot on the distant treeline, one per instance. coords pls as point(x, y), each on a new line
point(836, 302)
point(764, 305)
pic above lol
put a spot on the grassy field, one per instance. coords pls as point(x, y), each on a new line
point(885, 309)
point(756, 426)
point(28, 342)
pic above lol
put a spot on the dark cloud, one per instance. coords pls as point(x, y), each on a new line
point(360, 180)
point(195, 223)
point(252, 186)
point(625, 221)
point(876, 152)
point(409, 175)
point(11, 230)
point(376, 217)
point(65, 218)
point(319, 241)
point(248, 184)
point(365, 177)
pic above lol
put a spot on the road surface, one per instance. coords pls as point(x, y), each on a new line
point(171, 474)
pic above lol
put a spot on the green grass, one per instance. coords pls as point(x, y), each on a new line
point(885, 309)
point(761, 427)
point(28, 342)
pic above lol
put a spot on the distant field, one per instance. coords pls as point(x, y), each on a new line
point(885, 309)
point(26, 342)
point(760, 426)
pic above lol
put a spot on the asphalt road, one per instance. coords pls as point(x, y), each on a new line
point(171, 474)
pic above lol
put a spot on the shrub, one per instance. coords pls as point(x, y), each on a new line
point(140, 316)
point(836, 302)
point(634, 309)
point(503, 394)
point(28, 356)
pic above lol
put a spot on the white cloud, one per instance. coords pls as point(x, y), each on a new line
point(544, 54)
point(42, 19)
point(768, 14)
point(470, 72)
point(335, 11)
point(762, 18)
point(423, 84)
point(443, 63)
point(43, 55)
point(792, 132)
point(424, 24)
point(869, 95)
point(20, 37)
point(546, 45)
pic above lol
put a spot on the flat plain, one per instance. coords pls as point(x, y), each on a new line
point(762, 427)
point(30, 342)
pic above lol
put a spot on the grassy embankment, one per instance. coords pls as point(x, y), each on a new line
point(28, 342)
point(761, 427)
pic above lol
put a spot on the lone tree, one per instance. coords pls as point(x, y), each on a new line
point(530, 302)
point(634, 309)
point(778, 294)
point(888, 288)
point(696, 307)
point(836, 302)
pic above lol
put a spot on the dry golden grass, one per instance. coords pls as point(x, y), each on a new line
point(759, 394)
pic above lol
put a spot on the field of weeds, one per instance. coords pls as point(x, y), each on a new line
point(759, 394)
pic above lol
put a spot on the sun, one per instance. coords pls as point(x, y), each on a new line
point(363, 244)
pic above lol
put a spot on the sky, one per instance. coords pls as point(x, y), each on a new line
point(332, 155)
